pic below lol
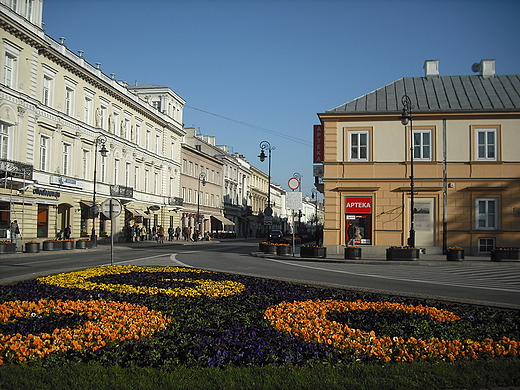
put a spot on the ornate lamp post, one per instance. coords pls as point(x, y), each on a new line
point(100, 140)
point(406, 117)
point(202, 177)
point(264, 145)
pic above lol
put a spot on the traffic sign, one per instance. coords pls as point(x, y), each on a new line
point(293, 183)
point(268, 211)
point(111, 208)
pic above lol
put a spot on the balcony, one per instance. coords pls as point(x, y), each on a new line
point(118, 191)
point(16, 169)
point(179, 202)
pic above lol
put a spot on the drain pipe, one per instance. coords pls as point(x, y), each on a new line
point(444, 190)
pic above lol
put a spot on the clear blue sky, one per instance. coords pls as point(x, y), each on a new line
point(261, 70)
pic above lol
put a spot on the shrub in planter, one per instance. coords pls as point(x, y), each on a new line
point(455, 253)
point(313, 251)
point(67, 244)
point(83, 244)
point(52, 245)
point(283, 250)
point(501, 254)
point(32, 247)
point(403, 253)
point(353, 253)
point(7, 247)
point(270, 248)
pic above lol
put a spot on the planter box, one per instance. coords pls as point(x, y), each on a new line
point(8, 248)
point(505, 254)
point(455, 255)
point(67, 245)
point(403, 254)
point(32, 247)
point(309, 251)
point(283, 250)
point(83, 244)
point(270, 249)
point(352, 253)
point(52, 245)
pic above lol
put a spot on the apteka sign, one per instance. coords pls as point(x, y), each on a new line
point(358, 205)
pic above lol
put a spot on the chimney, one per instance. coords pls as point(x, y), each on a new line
point(431, 68)
point(485, 67)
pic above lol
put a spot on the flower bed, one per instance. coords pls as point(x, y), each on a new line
point(455, 253)
point(169, 316)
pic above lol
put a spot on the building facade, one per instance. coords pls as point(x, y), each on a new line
point(465, 173)
point(57, 113)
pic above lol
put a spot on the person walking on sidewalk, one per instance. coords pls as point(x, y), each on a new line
point(15, 231)
point(160, 234)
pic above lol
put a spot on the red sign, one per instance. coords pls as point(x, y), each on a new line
point(318, 144)
point(358, 205)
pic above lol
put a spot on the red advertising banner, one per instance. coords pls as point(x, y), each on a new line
point(318, 144)
point(358, 205)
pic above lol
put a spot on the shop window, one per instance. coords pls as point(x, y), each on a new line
point(42, 224)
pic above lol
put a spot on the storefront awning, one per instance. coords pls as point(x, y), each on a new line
point(138, 213)
point(224, 220)
point(87, 203)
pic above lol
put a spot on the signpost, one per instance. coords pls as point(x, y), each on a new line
point(111, 208)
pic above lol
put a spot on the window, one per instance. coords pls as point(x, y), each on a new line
point(69, 99)
point(155, 183)
point(102, 120)
point(184, 166)
point(116, 171)
point(146, 180)
point(358, 145)
point(157, 144)
point(137, 133)
point(486, 144)
point(147, 139)
point(486, 213)
point(9, 70)
point(28, 9)
point(486, 244)
point(44, 144)
point(4, 140)
point(66, 158)
point(47, 90)
point(173, 148)
point(127, 174)
point(88, 110)
point(136, 178)
point(422, 145)
point(84, 163)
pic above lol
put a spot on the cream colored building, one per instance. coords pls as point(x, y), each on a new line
point(56, 111)
point(466, 162)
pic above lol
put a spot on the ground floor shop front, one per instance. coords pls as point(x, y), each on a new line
point(476, 216)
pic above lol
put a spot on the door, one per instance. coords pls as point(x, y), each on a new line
point(424, 220)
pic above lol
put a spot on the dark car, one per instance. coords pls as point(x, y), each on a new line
point(276, 234)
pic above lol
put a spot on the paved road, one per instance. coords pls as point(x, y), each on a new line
point(476, 280)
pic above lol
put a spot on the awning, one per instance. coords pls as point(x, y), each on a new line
point(138, 213)
point(223, 219)
point(87, 203)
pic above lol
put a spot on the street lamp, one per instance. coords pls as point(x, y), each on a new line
point(202, 177)
point(101, 140)
point(406, 117)
point(299, 177)
point(264, 145)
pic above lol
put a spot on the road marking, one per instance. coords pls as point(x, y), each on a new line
point(173, 257)
point(392, 277)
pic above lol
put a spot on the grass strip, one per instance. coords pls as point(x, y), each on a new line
point(477, 374)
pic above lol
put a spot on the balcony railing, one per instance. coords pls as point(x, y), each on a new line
point(176, 202)
point(9, 168)
point(121, 191)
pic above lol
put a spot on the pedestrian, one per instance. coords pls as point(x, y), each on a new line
point(15, 231)
point(351, 232)
point(143, 233)
point(177, 232)
point(154, 232)
point(170, 233)
point(160, 234)
point(67, 232)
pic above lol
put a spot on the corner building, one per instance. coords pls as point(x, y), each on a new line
point(465, 138)
point(57, 111)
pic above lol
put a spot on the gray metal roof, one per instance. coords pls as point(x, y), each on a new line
point(441, 94)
